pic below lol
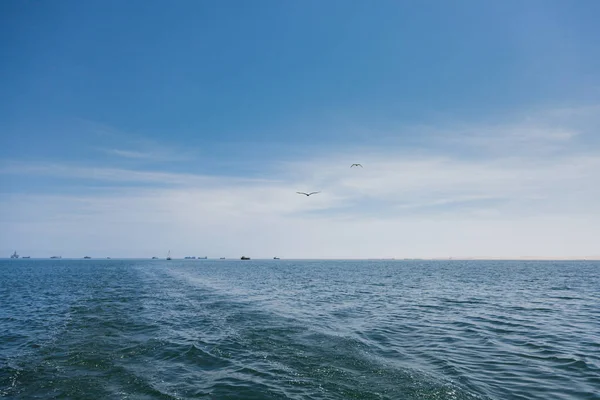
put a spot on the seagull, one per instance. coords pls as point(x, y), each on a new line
point(356, 165)
point(307, 194)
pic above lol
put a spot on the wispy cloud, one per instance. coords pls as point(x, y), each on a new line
point(130, 153)
point(133, 146)
point(220, 224)
point(119, 175)
point(536, 133)
point(149, 153)
point(506, 203)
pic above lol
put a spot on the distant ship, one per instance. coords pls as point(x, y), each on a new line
point(222, 258)
point(189, 258)
point(203, 258)
point(276, 258)
point(14, 255)
point(169, 255)
point(87, 257)
point(108, 258)
point(155, 258)
point(245, 258)
point(56, 257)
point(26, 256)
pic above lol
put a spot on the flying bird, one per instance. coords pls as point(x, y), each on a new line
point(307, 194)
point(356, 165)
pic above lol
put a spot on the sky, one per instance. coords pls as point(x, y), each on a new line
point(128, 129)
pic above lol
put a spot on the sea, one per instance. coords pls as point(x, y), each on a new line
point(297, 329)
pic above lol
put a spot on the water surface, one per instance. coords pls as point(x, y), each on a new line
point(283, 329)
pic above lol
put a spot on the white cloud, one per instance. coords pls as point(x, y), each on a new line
point(190, 224)
point(132, 146)
point(150, 154)
point(505, 203)
point(114, 174)
point(130, 153)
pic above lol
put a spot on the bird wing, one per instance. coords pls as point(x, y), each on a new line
point(313, 193)
point(306, 194)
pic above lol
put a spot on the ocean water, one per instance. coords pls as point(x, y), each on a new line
point(284, 329)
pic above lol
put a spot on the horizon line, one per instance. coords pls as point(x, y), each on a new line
point(472, 258)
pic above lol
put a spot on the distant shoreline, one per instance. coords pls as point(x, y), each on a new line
point(590, 258)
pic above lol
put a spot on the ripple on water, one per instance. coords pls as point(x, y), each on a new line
point(299, 330)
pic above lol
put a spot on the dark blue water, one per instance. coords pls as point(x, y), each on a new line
point(299, 330)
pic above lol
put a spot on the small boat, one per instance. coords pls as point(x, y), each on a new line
point(155, 258)
point(14, 255)
point(245, 258)
point(189, 258)
point(108, 258)
point(222, 258)
point(26, 257)
point(276, 258)
point(203, 258)
point(87, 257)
point(169, 255)
point(57, 257)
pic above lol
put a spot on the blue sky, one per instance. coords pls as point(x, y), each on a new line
point(133, 127)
